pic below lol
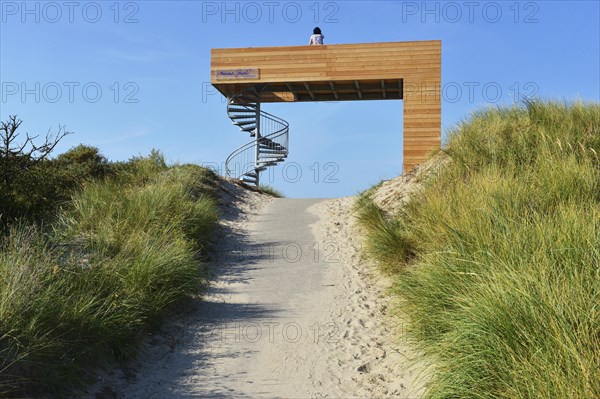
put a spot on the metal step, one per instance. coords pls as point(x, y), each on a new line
point(249, 178)
point(241, 125)
point(248, 181)
point(271, 148)
point(272, 159)
point(267, 164)
point(241, 108)
point(272, 153)
point(262, 141)
point(272, 156)
point(270, 144)
point(244, 123)
point(265, 140)
point(249, 116)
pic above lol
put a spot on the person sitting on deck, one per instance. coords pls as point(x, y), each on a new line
point(316, 38)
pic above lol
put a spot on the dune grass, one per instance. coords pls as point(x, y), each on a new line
point(272, 191)
point(122, 252)
point(497, 259)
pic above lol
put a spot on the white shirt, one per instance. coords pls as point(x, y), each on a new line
point(316, 40)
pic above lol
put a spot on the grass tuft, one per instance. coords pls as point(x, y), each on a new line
point(385, 242)
point(271, 191)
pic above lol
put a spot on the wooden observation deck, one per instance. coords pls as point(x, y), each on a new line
point(409, 71)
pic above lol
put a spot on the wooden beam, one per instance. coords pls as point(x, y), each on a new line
point(326, 87)
point(401, 87)
point(294, 93)
point(360, 96)
point(312, 96)
point(304, 97)
point(335, 94)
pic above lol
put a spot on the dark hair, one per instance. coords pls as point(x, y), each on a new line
point(317, 31)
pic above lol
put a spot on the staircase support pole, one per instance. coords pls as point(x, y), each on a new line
point(257, 144)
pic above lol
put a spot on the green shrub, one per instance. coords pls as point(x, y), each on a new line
point(82, 163)
point(26, 191)
point(49, 183)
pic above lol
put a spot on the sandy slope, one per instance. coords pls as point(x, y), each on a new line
point(293, 312)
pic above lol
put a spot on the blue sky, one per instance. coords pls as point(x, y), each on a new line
point(130, 76)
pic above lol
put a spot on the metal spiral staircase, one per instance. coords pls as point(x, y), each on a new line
point(270, 133)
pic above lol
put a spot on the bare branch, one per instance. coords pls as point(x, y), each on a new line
point(15, 157)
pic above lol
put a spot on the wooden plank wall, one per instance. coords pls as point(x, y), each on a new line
point(422, 121)
point(418, 64)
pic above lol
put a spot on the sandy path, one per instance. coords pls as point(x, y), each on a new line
point(294, 312)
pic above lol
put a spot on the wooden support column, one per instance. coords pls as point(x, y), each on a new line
point(422, 121)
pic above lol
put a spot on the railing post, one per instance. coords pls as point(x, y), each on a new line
point(257, 143)
point(227, 171)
